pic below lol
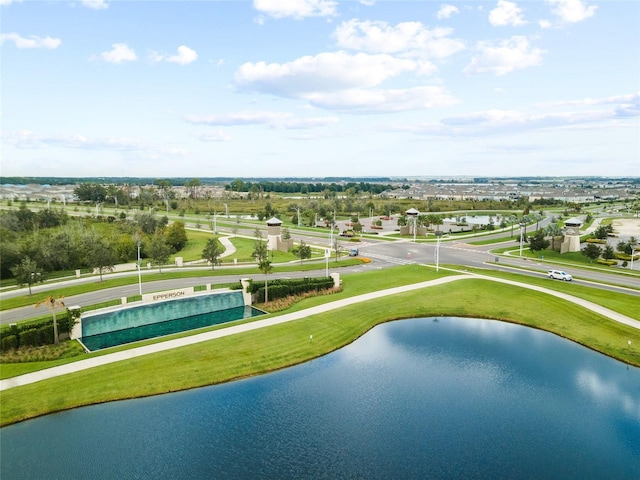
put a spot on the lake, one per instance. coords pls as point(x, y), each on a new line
point(422, 398)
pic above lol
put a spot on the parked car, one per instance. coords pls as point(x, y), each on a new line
point(559, 275)
point(353, 252)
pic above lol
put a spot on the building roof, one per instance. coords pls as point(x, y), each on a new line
point(573, 221)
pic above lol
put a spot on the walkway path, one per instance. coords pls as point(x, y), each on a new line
point(206, 336)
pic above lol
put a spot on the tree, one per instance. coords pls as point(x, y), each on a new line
point(27, 272)
point(192, 187)
point(100, 255)
point(165, 189)
point(159, 250)
point(212, 252)
point(591, 251)
point(261, 254)
point(538, 241)
point(260, 251)
point(304, 251)
point(265, 267)
point(176, 236)
point(90, 192)
point(603, 231)
point(52, 303)
point(608, 253)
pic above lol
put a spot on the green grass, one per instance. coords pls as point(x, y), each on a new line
point(283, 345)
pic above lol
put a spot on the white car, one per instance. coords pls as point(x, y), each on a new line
point(559, 275)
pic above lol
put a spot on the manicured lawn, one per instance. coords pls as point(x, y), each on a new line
point(279, 346)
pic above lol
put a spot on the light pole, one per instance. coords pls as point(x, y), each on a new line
point(438, 253)
point(521, 238)
point(633, 252)
point(139, 269)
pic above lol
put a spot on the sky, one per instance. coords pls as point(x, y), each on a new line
point(319, 88)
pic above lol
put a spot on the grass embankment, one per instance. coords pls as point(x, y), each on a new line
point(283, 345)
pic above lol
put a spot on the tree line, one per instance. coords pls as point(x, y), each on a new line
point(35, 244)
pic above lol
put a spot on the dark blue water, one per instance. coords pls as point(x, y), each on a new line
point(415, 399)
point(159, 329)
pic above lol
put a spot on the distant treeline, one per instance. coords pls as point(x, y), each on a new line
point(303, 187)
point(179, 181)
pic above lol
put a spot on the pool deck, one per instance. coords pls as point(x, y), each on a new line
point(235, 329)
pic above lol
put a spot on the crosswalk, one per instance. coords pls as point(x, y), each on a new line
point(388, 259)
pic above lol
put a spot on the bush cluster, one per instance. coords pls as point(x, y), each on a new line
point(282, 288)
point(35, 333)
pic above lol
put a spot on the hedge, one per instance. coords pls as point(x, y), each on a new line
point(283, 288)
point(8, 342)
point(610, 263)
point(34, 333)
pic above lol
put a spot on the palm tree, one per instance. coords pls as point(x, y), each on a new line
point(265, 267)
point(52, 303)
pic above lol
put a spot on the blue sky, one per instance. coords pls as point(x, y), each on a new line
point(272, 88)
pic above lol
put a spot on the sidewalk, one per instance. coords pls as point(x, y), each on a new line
point(203, 337)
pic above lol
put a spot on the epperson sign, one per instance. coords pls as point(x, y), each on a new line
point(168, 295)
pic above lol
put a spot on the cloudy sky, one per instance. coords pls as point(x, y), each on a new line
point(272, 88)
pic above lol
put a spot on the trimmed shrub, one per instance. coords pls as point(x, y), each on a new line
point(280, 288)
point(8, 342)
point(30, 338)
point(610, 263)
point(46, 334)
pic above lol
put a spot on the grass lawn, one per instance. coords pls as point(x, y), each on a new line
point(283, 345)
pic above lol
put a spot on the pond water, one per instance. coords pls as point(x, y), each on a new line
point(423, 398)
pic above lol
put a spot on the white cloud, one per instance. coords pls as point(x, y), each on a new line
point(506, 13)
point(500, 122)
point(446, 11)
point(572, 11)
point(308, 123)
point(238, 118)
point(185, 56)
point(272, 119)
point(545, 24)
point(409, 38)
point(297, 9)
point(320, 73)
point(361, 101)
point(215, 136)
point(31, 42)
point(95, 4)
point(507, 56)
point(9, 2)
point(29, 139)
point(119, 53)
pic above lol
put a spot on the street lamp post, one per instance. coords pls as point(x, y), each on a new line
point(438, 253)
point(139, 269)
point(521, 238)
point(633, 252)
